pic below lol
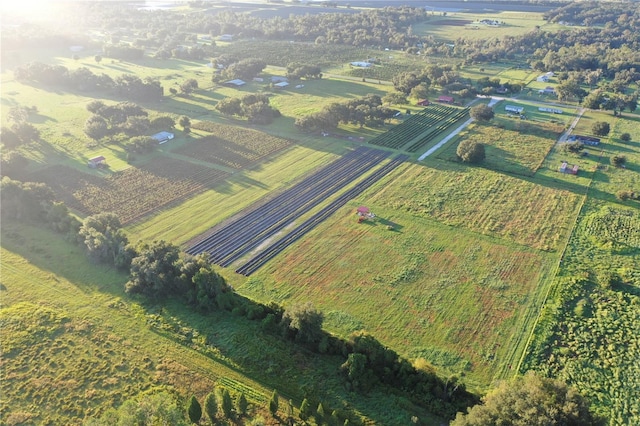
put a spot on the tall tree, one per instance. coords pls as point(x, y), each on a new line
point(305, 410)
point(601, 128)
point(470, 151)
point(194, 410)
point(241, 404)
point(273, 403)
point(211, 406)
point(155, 270)
point(227, 403)
point(104, 239)
point(530, 401)
point(305, 322)
point(481, 112)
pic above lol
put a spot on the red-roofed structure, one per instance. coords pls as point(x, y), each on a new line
point(446, 99)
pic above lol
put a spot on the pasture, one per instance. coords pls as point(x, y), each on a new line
point(74, 345)
point(451, 296)
point(511, 145)
point(467, 25)
point(587, 334)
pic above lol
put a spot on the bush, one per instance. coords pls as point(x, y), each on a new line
point(625, 137)
point(619, 160)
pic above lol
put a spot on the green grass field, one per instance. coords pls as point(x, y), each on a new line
point(457, 25)
point(435, 263)
point(74, 345)
point(587, 334)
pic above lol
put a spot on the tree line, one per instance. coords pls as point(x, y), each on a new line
point(84, 80)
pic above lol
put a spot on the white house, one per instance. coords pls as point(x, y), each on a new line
point(361, 64)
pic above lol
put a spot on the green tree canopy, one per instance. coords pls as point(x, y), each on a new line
point(305, 322)
point(470, 151)
point(482, 112)
point(529, 401)
point(273, 403)
point(211, 406)
point(104, 240)
point(194, 410)
point(601, 128)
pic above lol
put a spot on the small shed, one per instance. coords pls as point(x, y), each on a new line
point(446, 99)
point(163, 137)
point(236, 83)
point(281, 85)
point(278, 79)
point(423, 102)
point(514, 109)
point(96, 162)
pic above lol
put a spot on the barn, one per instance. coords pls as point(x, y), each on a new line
point(446, 99)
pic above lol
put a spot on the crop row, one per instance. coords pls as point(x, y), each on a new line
point(263, 220)
point(131, 193)
point(441, 127)
point(276, 248)
point(415, 125)
point(231, 146)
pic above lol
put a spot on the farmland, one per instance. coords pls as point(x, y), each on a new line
point(513, 146)
point(418, 269)
point(266, 219)
point(420, 129)
point(231, 146)
point(474, 272)
point(133, 192)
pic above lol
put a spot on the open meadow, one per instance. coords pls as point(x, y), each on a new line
point(74, 344)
